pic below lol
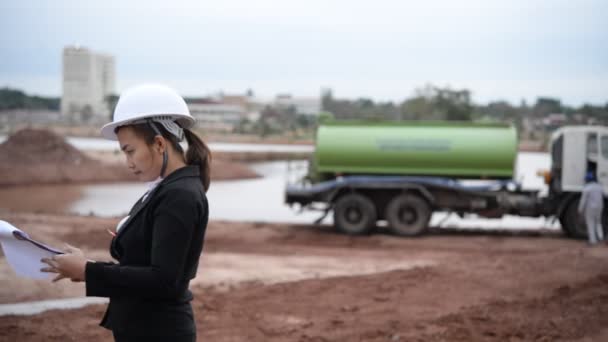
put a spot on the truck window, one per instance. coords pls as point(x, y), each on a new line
point(604, 143)
point(592, 147)
point(556, 152)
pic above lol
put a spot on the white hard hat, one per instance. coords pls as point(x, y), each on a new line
point(148, 101)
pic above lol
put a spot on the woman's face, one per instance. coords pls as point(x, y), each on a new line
point(143, 160)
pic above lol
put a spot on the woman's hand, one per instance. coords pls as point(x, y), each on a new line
point(71, 265)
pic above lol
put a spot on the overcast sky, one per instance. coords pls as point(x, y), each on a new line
point(500, 50)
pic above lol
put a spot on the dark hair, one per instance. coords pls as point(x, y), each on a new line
point(197, 154)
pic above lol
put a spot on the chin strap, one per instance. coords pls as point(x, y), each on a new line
point(165, 154)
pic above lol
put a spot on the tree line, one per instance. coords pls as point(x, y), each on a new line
point(427, 103)
point(437, 103)
point(11, 99)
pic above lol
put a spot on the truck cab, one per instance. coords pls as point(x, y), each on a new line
point(575, 151)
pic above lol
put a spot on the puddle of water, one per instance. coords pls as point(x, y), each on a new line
point(108, 199)
point(34, 308)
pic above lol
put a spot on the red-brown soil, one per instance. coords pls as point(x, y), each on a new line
point(281, 282)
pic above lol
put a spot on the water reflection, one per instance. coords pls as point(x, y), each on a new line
point(108, 199)
point(259, 199)
point(256, 199)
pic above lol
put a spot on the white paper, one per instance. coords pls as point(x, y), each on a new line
point(24, 255)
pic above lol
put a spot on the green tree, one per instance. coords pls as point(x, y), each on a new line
point(325, 117)
point(545, 106)
point(111, 100)
point(17, 99)
point(434, 103)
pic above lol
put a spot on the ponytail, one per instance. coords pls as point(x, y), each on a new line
point(199, 154)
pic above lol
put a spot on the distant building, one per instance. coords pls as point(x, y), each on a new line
point(222, 112)
point(301, 105)
point(554, 121)
point(250, 104)
point(88, 77)
point(215, 115)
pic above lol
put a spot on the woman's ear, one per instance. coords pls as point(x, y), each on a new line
point(160, 144)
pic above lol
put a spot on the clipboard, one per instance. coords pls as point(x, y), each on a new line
point(20, 235)
point(23, 253)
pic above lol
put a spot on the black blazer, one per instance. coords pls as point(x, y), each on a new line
point(157, 249)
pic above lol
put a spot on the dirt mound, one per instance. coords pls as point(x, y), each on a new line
point(33, 156)
point(31, 146)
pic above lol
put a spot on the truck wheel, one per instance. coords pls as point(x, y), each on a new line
point(564, 224)
point(572, 223)
point(354, 214)
point(408, 215)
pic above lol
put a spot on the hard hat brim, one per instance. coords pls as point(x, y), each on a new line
point(108, 131)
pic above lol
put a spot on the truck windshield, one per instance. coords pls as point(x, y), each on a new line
point(604, 142)
point(592, 147)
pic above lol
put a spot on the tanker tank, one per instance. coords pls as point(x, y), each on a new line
point(446, 149)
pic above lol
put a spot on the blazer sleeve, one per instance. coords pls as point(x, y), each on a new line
point(174, 222)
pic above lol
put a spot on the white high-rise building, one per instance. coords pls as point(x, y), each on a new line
point(88, 77)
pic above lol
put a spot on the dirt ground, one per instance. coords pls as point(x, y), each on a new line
point(281, 282)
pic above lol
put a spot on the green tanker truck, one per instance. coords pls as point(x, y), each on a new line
point(364, 172)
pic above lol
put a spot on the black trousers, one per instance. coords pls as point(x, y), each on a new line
point(122, 337)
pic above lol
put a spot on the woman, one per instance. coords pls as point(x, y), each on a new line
point(159, 244)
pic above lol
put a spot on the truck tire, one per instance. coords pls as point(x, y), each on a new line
point(355, 214)
point(408, 215)
point(572, 223)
